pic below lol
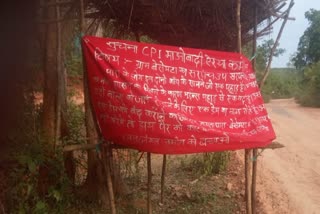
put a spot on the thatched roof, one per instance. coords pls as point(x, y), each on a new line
point(209, 24)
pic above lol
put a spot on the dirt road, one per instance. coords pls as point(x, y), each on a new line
point(289, 178)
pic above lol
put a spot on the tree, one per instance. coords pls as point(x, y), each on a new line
point(307, 60)
point(262, 56)
point(309, 45)
point(54, 115)
point(310, 86)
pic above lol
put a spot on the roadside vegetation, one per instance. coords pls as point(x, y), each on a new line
point(36, 180)
point(307, 61)
point(30, 157)
point(281, 82)
point(301, 79)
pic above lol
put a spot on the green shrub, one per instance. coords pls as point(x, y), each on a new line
point(76, 125)
point(29, 152)
point(211, 163)
point(24, 195)
point(281, 83)
point(309, 95)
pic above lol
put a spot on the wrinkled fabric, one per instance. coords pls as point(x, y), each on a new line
point(174, 100)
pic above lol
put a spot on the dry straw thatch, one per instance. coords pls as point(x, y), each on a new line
point(209, 24)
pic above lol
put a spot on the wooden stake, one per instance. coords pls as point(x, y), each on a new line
point(92, 127)
point(106, 161)
point(239, 43)
point(247, 164)
point(164, 163)
point(149, 182)
point(247, 151)
point(255, 151)
point(59, 79)
point(254, 180)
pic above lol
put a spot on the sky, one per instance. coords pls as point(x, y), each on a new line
point(292, 31)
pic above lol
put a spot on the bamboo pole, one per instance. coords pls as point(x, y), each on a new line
point(254, 180)
point(239, 43)
point(92, 126)
point(247, 162)
point(255, 150)
point(247, 151)
point(163, 174)
point(106, 157)
point(149, 182)
point(68, 148)
point(275, 45)
point(59, 80)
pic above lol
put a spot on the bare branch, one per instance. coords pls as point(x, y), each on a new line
point(129, 22)
point(239, 25)
point(275, 45)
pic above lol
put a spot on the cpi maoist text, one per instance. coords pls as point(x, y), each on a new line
point(174, 100)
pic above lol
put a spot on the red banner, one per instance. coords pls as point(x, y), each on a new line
point(174, 100)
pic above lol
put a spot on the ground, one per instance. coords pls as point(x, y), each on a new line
point(289, 178)
point(186, 190)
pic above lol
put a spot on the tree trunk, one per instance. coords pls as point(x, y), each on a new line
point(49, 114)
point(95, 184)
point(50, 79)
point(54, 116)
point(69, 164)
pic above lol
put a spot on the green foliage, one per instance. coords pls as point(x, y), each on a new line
point(281, 83)
point(24, 194)
point(307, 61)
point(74, 64)
point(310, 86)
point(29, 152)
point(309, 44)
point(275, 79)
point(75, 122)
point(72, 54)
point(210, 163)
point(73, 57)
point(263, 55)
